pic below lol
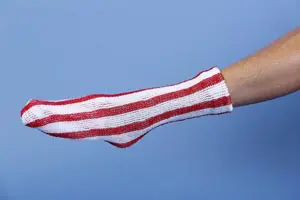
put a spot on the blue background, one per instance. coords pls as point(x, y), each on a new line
point(64, 48)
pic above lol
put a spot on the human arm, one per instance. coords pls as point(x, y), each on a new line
point(272, 72)
point(123, 119)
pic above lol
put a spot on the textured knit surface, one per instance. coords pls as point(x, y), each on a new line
point(123, 119)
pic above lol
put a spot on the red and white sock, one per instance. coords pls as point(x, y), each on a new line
point(123, 119)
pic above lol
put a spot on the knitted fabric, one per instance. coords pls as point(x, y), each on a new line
point(123, 119)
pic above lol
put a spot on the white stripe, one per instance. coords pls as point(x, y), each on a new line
point(127, 137)
point(42, 111)
point(210, 93)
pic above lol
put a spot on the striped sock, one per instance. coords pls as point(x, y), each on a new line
point(123, 119)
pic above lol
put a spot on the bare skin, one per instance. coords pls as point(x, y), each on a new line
point(271, 72)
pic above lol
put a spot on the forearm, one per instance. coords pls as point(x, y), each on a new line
point(272, 72)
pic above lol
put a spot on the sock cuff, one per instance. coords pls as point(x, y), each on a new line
point(207, 90)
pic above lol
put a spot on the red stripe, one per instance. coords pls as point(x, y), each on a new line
point(129, 107)
point(132, 142)
point(127, 144)
point(144, 124)
point(93, 96)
